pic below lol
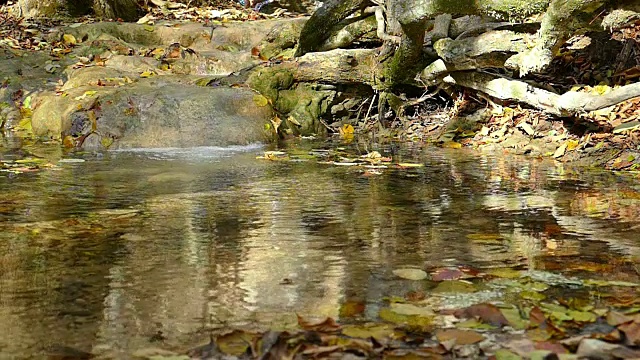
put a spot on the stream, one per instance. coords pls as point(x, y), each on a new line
point(127, 250)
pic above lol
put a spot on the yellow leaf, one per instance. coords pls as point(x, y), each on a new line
point(408, 165)
point(452, 145)
point(601, 89)
point(149, 28)
point(68, 142)
point(69, 39)
point(572, 145)
point(106, 141)
point(346, 129)
point(260, 100)
point(146, 74)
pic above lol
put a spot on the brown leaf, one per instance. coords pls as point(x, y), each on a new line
point(551, 346)
point(615, 318)
point(536, 316)
point(461, 337)
point(324, 325)
point(447, 274)
point(631, 332)
point(488, 313)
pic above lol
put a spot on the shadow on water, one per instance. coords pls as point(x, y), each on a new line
point(108, 253)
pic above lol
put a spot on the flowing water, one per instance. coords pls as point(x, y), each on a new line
point(130, 250)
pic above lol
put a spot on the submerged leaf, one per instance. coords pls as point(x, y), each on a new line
point(410, 274)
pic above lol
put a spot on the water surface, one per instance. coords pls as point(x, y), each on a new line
point(136, 249)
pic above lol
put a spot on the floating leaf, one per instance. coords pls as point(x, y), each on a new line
point(514, 318)
point(505, 273)
point(410, 165)
point(454, 287)
point(377, 331)
point(461, 337)
point(410, 274)
point(488, 313)
point(415, 321)
point(447, 274)
point(410, 309)
point(351, 309)
point(321, 325)
point(582, 316)
point(593, 282)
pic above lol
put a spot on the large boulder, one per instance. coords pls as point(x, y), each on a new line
point(163, 111)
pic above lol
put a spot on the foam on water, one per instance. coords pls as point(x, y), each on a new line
point(192, 153)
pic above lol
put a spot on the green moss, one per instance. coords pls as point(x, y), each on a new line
point(514, 10)
point(269, 81)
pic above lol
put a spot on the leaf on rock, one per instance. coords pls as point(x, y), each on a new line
point(147, 74)
point(560, 151)
point(69, 39)
point(260, 100)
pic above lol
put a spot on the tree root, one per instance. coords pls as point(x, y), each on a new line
point(567, 104)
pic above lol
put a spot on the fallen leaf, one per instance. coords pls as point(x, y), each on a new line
point(322, 325)
point(560, 150)
point(410, 274)
point(488, 313)
point(461, 337)
point(260, 100)
point(447, 274)
point(69, 39)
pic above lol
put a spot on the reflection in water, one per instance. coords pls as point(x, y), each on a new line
point(104, 255)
